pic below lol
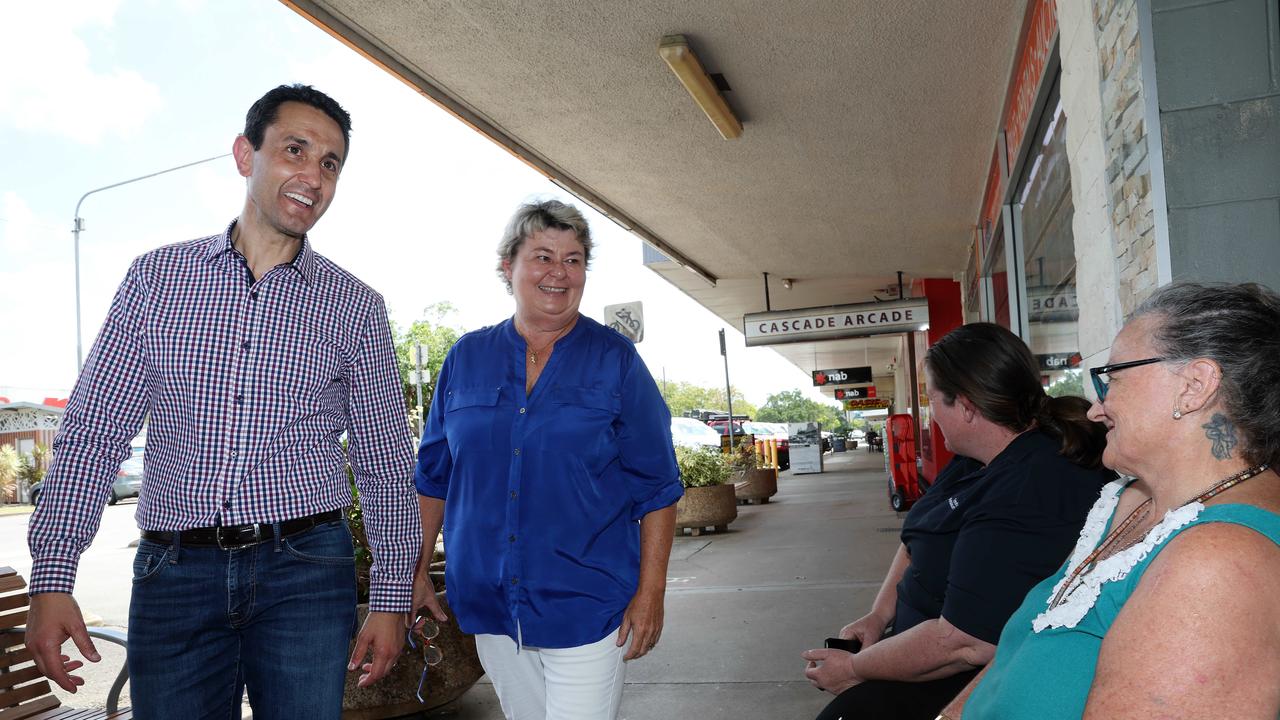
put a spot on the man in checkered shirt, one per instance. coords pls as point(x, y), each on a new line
point(252, 356)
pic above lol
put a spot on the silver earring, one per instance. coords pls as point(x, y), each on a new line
point(1177, 414)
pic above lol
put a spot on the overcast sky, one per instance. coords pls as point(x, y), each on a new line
point(94, 92)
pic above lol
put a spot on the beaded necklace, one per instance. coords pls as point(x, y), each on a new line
point(1113, 542)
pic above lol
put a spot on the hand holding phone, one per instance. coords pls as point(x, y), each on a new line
point(851, 645)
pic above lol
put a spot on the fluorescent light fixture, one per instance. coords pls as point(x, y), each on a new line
point(675, 50)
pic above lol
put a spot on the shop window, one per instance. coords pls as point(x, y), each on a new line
point(1044, 210)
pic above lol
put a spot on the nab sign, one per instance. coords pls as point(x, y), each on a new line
point(858, 393)
point(841, 376)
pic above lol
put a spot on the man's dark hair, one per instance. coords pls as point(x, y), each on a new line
point(264, 112)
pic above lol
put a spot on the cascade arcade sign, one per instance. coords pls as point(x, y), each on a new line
point(835, 322)
point(841, 376)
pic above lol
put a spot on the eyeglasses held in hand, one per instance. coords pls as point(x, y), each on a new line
point(426, 630)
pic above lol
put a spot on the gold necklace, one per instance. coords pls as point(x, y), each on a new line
point(1139, 513)
point(533, 354)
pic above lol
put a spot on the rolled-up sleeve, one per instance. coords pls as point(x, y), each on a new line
point(381, 456)
point(431, 476)
point(645, 449)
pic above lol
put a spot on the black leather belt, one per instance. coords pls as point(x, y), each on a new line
point(233, 537)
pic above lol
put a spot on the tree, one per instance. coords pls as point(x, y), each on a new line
point(436, 337)
point(792, 406)
point(684, 396)
point(1071, 383)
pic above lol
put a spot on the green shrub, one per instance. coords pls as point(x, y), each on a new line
point(702, 467)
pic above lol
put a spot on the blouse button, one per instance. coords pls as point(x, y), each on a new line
point(521, 411)
point(517, 451)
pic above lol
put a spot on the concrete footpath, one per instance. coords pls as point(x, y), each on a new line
point(743, 605)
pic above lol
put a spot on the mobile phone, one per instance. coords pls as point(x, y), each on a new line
point(852, 646)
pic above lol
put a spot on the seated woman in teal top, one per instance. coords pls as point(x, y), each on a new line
point(1168, 606)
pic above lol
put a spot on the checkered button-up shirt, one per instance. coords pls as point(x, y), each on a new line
point(249, 387)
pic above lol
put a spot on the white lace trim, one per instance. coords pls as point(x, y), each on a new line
point(1089, 584)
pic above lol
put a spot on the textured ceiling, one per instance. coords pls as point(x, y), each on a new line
point(868, 124)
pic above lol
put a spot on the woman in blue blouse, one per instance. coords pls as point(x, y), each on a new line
point(1167, 606)
point(547, 457)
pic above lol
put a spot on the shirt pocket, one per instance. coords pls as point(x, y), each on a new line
point(583, 423)
point(471, 418)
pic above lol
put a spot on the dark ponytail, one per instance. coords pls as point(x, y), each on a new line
point(997, 372)
point(1066, 418)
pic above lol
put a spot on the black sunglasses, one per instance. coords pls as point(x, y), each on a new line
point(1101, 385)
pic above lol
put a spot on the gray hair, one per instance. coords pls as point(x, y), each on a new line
point(1238, 327)
point(532, 218)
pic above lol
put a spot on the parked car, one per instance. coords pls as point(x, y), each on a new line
point(688, 432)
point(128, 482)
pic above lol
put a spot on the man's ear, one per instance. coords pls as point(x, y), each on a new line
point(242, 150)
point(1200, 381)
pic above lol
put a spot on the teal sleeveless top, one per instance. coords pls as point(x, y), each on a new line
point(1047, 674)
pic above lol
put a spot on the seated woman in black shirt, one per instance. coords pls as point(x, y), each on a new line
point(1000, 518)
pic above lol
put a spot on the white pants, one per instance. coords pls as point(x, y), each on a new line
point(578, 683)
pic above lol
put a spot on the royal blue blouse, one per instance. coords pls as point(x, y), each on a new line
point(544, 492)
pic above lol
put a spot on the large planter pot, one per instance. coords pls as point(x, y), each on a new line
point(756, 485)
point(395, 694)
point(712, 507)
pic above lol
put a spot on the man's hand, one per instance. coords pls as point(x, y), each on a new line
point(830, 670)
point(52, 619)
point(643, 620)
point(382, 635)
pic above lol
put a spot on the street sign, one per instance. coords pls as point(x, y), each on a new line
point(626, 318)
point(835, 322)
point(841, 376)
point(857, 393)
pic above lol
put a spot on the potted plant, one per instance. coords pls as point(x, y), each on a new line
point(751, 482)
point(708, 502)
point(396, 694)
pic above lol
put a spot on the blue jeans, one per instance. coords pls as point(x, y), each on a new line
point(275, 618)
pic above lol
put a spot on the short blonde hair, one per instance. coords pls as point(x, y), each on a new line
point(532, 218)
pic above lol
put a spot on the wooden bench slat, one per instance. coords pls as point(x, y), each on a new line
point(9, 698)
point(17, 677)
point(6, 571)
point(13, 619)
point(9, 602)
point(38, 710)
point(15, 657)
point(12, 582)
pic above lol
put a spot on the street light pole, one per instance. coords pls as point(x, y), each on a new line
point(79, 225)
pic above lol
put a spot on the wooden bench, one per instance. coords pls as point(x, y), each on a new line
point(25, 693)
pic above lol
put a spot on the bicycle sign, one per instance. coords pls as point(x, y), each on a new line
point(626, 318)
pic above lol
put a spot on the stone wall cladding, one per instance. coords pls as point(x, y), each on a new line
point(1091, 223)
point(1124, 137)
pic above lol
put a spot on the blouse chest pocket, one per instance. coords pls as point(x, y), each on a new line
point(587, 399)
point(471, 419)
point(583, 421)
point(471, 398)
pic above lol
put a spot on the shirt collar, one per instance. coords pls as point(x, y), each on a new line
point(304, 263)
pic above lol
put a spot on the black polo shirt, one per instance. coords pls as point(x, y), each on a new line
point(980, 538)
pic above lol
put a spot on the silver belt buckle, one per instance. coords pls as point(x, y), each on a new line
point(257, 538)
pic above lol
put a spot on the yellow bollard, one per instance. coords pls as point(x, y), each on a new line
point(773, 453)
